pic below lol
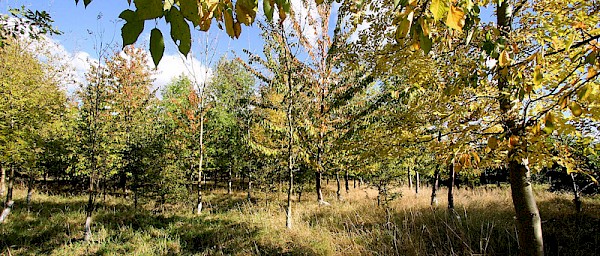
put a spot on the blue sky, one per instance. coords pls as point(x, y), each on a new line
point(85, 28)
point(76, 22)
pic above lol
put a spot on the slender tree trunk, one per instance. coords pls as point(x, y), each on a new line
point(434, 188)
point(339, 186)
point(88, 210)
point(290, 128)
point(451, 187)
point(417, 183)
point(354, 181)
point(229, 182)
point(300, 193)
point(318, 176)
point(529, 222)
point(2, 181)
point(200, 160)
point(410, 181)
point(528, 218)
point(250, 185)
point(8, 203)
point(346, 181)
point(576, 199)
point(360, 181)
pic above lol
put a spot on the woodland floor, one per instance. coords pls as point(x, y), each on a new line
point(483, 223)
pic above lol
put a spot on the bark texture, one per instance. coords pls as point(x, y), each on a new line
point(529, 224)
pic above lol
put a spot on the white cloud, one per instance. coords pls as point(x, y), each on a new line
point(174, 65)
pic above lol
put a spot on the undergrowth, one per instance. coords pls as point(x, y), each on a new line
point(481, 224)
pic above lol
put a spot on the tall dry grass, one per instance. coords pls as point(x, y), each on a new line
point(482, 223)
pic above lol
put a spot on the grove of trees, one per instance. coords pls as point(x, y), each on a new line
point(386, 93)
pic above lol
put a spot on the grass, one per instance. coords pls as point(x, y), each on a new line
point(482, 223)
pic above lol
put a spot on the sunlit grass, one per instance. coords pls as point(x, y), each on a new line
point(482, 223)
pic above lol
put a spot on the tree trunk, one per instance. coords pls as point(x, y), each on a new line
point(576, 199)
point(451, 187)
point(417, 183)
point(229, 182)
point(410, 181)
point(346, 180)
point(318, 186)
point(434, 188)
point(8, 203)
point(339, 186)
point(200, 160)
point(528, 218)
point(250, 185)
point(2, 181)
point(300, 193)
point(88, 210)
point(360, 181)
point(529, 222)
point(354, 181)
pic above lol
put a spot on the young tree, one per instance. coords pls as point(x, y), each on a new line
point(31, 100)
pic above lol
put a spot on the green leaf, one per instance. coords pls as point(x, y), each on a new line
point(228, 19)
point(128, 15)
point(404, 27)
point(132, 29)
point(438, 8)
point(537, 77)
point(425, 42)
point(157, 45)
point(400, 3)
point(245, 11)
point(549, 123)
point(189, 10)
point(575, 109)
point(286, 6)
point(149, 9)
point(180, 31)
point(268, 9)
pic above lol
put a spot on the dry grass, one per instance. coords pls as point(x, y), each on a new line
point(482, 224)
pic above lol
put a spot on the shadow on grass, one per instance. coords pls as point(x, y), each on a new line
point(56, 227)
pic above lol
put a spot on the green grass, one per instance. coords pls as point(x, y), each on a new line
point(483, 223)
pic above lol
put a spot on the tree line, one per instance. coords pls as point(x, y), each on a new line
point(427, 92)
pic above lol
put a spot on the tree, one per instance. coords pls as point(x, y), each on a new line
point(230, 91)
point(31, 100)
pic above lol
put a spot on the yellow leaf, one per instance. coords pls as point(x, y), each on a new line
point(537, 77)
point(425, 27)
point(575, 108)
point(438, 8)
point(504, 59)
point(476, 158)
point(591, 72)
point(455, 18)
